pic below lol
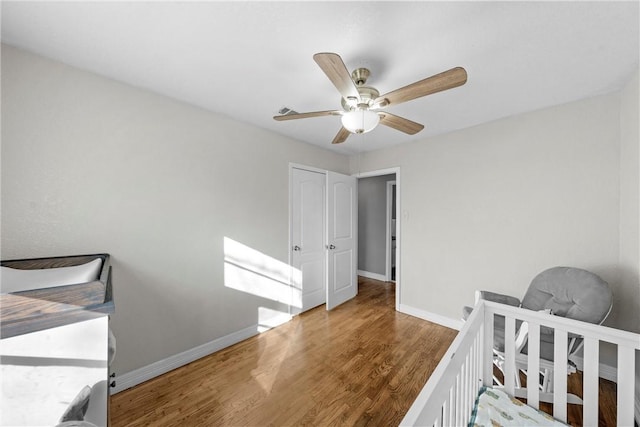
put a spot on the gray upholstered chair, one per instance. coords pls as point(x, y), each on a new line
point(562, 291)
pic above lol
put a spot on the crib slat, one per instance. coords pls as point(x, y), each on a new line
point(438, 421)
point(467, 386)
point(533, 365)
point(472, 378)
point(473, 374)
point(626, 358)
point(590, 381)
point(450, 409)
point(454, 402)
point(560, 343)
point(487, 356)
point(509, 355)
point(459, 400)
point(474, 370)
point(445, 411)
point(477, 368)
point(462, 401)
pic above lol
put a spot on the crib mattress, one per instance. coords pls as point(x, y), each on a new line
point(496, 408)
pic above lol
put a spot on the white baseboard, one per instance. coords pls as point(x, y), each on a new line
point(431, 317)
point(605, 371)
point(138, 376)
point(370, 275)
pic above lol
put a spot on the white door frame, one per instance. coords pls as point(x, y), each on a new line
point(389, 171)
point(389, 235)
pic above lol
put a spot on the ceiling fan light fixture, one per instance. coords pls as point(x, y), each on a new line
point(360, 121)
point(361, 104)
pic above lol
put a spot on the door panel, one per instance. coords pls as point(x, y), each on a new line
point(342, 205)
point(308, 237)
point(342, 195)
point(343, 262)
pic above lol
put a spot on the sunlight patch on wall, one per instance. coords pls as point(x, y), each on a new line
point(251, 271)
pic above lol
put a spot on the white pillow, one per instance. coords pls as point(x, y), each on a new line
point(16, 280)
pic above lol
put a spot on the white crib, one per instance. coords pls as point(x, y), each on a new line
point(449, 396)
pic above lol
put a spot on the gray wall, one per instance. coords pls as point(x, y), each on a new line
point(372, 223)
point(91, 165)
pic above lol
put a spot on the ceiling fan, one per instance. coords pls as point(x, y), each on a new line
point(362, 106)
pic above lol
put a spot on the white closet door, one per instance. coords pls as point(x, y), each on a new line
point(308, 237)
point(342, 239)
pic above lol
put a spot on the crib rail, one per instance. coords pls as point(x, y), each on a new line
point(448, 397)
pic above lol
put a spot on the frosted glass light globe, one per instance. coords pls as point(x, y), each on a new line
point(360, 121)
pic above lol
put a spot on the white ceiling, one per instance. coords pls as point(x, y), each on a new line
point(247, 60)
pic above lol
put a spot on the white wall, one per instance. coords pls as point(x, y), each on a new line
point(90, 165)
point(492, 206)
point(630, 217)
point(629, 299)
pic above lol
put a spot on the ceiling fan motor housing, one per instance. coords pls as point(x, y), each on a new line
point(367, 96)
point(360, 76)
point(367, 93)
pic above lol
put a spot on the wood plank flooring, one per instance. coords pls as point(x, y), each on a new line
point(360, 364)
point(606, 406)
point(607, 393)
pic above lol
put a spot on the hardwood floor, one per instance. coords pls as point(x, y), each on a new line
point(360, 364)
point(606, 407)
point(607, 393)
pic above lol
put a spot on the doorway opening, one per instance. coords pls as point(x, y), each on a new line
point(391, 232)
point(379, 202)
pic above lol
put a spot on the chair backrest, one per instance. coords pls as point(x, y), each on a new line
point(570, 292)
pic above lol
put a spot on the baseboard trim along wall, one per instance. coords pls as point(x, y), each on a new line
point(138, 376)
point(605, 371)
point(370, 275)
point(431, 317)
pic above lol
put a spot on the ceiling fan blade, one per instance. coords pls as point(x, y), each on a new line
point(295, 116)
point(446, 80)
point(400, 123)
point(341, 137)
point(334, 68)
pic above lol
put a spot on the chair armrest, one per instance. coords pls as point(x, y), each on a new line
point(499, 298)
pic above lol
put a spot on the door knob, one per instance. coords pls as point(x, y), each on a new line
point(296, 248)
point(331, 247)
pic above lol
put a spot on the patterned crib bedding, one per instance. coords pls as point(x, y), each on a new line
point(496, 408)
